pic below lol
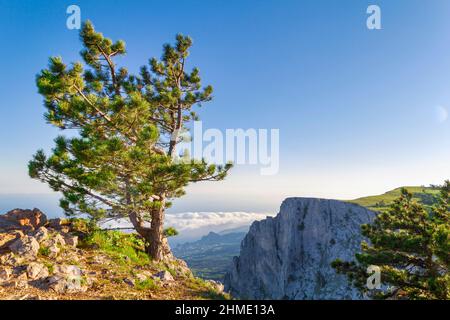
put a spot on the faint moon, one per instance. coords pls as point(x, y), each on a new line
point(441, 114)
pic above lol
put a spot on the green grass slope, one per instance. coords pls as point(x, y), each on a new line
point(381, 202)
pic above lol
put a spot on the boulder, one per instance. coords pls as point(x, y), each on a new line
point(27, 247)
point(68, 270)
point(20, 282)
point(68, 255)
point(63, 284)
point(58, 223)
point(36, 271)
point(41, 234)
point(129, 282)
point(164, 276)
point(54, 244)
point(67, 279)
point(181, 268)
point(53, 250)
point(10, 259)
point(7, 238)
point(59, 240)
point(71, 241)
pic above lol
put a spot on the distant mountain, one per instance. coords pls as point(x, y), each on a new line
point(241, 229)
point(211, 256)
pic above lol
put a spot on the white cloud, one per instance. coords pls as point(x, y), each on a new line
point(193, 225)
point(196, 220)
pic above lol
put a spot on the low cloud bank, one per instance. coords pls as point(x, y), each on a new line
point(193, 225)
point(195, 220)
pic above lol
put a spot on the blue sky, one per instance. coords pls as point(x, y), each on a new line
point(357, 109)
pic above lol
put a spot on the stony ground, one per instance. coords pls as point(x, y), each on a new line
point(70, 259)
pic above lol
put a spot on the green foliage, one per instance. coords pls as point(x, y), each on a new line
point(411, 244)
point(199, 285)
point(124, 247)
point(83, 226)
point(44, 251)
point(50, 267)
point(123, 159)
point(170, 232)
point(147, 284)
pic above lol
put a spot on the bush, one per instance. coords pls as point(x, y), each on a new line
point(44, 251)
point(120, 245)
point(147, 284)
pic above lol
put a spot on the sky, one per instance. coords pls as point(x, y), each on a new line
point(359, 111)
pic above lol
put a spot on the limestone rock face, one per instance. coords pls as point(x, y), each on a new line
point(289, 256)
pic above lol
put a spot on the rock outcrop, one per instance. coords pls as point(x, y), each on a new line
point(26, 220)
point(28, 242)
point(289, 256)
point(72, 259)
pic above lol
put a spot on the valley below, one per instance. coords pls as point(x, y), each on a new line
point(211, 256)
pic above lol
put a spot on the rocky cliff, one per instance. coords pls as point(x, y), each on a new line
point(289, 256)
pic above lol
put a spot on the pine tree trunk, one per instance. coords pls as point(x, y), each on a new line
point(158, 247)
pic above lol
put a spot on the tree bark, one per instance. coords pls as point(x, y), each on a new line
point(157, 245)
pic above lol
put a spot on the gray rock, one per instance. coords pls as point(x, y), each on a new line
point(219, 287)
point(63, 284)
point(56, 223)
point(10, 259)
point(164, 276)
point(26, 247)
point(68, 270)
point(5, 273)
point(129, 282)
point(7, 238)
point(54, 244)
point(21, 281)
point(71, 241)
point(141, 277)
point(53, 250)
point(36, 271)
point(41, 234)
point(59, 240)
point(67, 279)
point(289, 256)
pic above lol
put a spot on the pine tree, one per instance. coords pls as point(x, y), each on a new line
point(410, 243)
point(122, 161)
